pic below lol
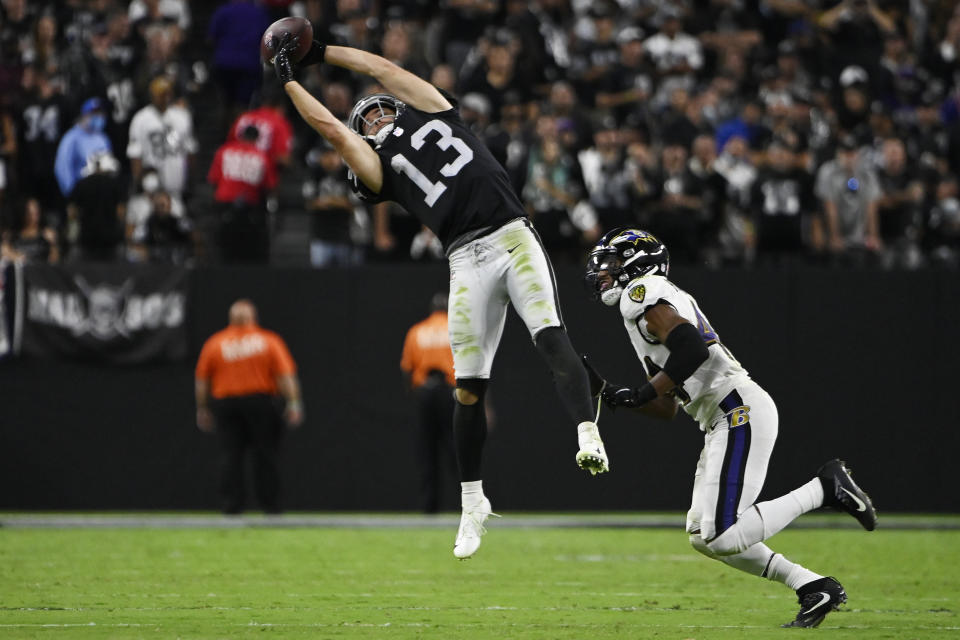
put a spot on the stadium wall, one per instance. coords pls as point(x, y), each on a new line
point(860, 363)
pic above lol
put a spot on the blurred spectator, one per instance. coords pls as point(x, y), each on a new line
point(8, 143)
point(80, 143)
point(274, 131)
point(676, 55)
point(397, 46)
point(393, 232)
point(463, 21)
point(856, 29)
point(748, 126)
point(626, 85)
point(712, 188)
point(475, 112)
point(139, 207)
point(241, 374)
point(235, 30)
point(96, 210)
point(848, 192)
point(42, 51)
point(736, 166)
point(427, 365)
point(172, 13)
point(40, 123)
point(553, 192)
point(898, 207)
point(167, 238)
point(942, 239)
point(782, 203)
point(496, 74)
point(676, 215)
point(606, 178)
point(573, 126)
point(643, 169)
point(333, 205)
point(243, 175)
point(31, 239)
point(161, 137)
point(596, 54)
point(676, 126)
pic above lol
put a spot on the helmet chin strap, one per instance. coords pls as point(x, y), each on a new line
point(383, 133)
point(611, 296)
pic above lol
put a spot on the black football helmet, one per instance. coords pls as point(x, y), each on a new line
point(624, 254)
point(370, 110)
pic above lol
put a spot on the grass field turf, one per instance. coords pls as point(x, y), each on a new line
point(405, 583)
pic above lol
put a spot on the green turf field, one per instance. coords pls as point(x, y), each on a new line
point(310, 582)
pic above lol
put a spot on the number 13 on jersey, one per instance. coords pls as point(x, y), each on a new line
point(433, 190)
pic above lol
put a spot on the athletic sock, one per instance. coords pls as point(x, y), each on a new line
point(789, 573)
point(778, 513)
point(471, 493)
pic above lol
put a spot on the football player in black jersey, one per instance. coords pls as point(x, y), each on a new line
point(411, 146)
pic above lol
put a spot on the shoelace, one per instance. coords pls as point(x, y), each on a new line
point(473, 519)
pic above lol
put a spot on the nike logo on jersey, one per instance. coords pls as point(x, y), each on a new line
point(512, 250)
point(824, 600)
point(860, 505)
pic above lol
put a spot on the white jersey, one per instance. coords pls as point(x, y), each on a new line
point(163, 141)
point(701, 393)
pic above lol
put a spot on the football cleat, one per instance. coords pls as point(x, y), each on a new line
point(841, 492)
point(471, 529)
point(817, 599)
point(592, 456)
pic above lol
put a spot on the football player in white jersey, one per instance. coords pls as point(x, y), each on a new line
point(687, 366)
point(411, 146)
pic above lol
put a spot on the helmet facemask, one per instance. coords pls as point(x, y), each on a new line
point(604, 261)
point(623, 255)
point(372, 111)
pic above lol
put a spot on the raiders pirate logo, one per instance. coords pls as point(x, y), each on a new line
point(638, 293)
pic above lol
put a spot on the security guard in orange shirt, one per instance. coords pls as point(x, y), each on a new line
point(239, 375)
point(427, 365)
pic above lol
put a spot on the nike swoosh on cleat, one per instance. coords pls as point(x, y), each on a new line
point(860, 505)
point(823, 601)
point(512, 250)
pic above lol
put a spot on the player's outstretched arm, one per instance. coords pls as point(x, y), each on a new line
point(406, 86)
point(358, 155)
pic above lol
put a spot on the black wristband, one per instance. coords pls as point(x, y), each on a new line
point(316, 55)
point(687, 352)
point(643, 394)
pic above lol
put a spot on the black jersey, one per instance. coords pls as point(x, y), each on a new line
point(439, 171)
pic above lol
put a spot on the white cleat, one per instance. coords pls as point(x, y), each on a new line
point(471, 529)
point(592, 456)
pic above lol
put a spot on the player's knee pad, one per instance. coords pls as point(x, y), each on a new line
point(470, 390)
point(729, 542)
point(700, 545)
point(744, 533)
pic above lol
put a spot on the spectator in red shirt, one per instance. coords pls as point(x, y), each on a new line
point(243, 175)
point(275, 133)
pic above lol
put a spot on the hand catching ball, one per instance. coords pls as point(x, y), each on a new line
point(297, 32)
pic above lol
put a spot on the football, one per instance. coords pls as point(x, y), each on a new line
point(299, 28)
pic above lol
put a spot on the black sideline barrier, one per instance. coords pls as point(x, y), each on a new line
point(861, 365)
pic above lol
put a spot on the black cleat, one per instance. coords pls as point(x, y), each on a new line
point(841, 492)
point(817, 599)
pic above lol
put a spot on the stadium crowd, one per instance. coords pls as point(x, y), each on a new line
point(743, 132)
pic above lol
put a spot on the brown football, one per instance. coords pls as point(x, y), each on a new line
point(299, 28)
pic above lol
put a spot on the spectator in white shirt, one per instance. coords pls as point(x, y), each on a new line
point(161, 136)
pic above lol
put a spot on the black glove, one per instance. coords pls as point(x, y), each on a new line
point(652, 367)
point(597, 383)
point(314, 56)
point(615, 396)
point(282, 65)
